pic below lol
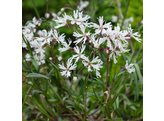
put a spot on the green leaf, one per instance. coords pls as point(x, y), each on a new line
point(136, 92)
point(37, 75)
point(40, 107)
point(30, 83)
point(60, 119)
point(93, 105)
point(139, 74)
point(47, 107)
point(35, 64)
point(52, 100)
point(36, 91)
point(25, 67)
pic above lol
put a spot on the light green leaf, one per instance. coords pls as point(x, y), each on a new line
point(37, 75)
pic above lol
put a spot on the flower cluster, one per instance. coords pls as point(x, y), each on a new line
point(103, 38)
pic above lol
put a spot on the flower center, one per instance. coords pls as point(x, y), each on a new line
point(108, 36)
point(79, 54)
point(67, 69)
point(75, 20)
point(84, 35)
point(101, 28)
point(46, 38)
point(89, 63)
point(116, 37)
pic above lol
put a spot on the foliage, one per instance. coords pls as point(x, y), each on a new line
point(47, 95)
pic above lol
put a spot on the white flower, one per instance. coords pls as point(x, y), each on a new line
point(79, 53)
point(35, 21)
point(84, 19)
point(78, 18)
point(27, 33)
point(38, 48)
point(108, 35)
point(129, 68)
point(98, 74)
point(31, 27)
point(133, 35)
point(95, 63)
point(65, 46)
point(45, 36)
point(82, 5)
point(67, 70)
point(97, 42)
point(114, 53)
point(54, 16)
point(82, 37)
point(28, 57)
point(39, 58)
point(100, 28)
point(58, 38)
point(61, 21)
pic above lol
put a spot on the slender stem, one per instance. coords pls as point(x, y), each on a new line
point(86, 97)
point(93, 85)
point(69, 91)
point(69, 4)
point(26, 96)
point(53, 53)
point(119, 9)
point(117, 74)
point(80, 70)
point(125, 13)
point(69, 115)
point(26, 63)
point(35, 9)
point(115, 71)
point(76, 113)
point(107, 72)
point(55, 91)
point(47, 7)
point(94, 111)
point(28, 45)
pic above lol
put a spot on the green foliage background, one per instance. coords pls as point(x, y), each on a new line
point(38, 98)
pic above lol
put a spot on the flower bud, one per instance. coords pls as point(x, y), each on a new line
point(74, 78)
point(62, 9)
point(96, 46)
point(47, 15)
point(50, 58)
point(60, 58)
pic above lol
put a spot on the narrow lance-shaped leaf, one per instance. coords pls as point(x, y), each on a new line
point(37, 75)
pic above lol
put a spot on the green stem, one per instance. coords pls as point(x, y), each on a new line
point(55, 91)
point(80, 70)
point(28, 45)
point(47, 7)
point(79, 116)
point(125, 13)
point(69, 4)
point(86, 97)
point(26, 96)
point(115, 72)
point(93, 86)
point(35, 9)
point(107, 72)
